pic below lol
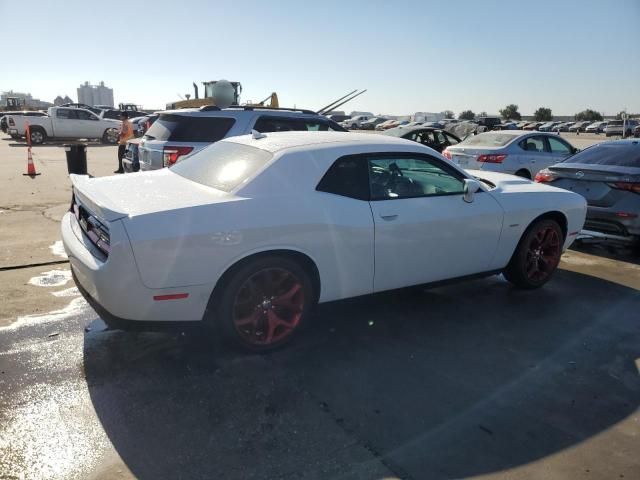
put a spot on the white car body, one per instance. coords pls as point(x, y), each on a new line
point(171, 238)
point(82, 123)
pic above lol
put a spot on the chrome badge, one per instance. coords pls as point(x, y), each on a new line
point(579, 174)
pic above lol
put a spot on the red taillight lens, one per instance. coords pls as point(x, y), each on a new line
point(545, 176)
point(446, 154)
point(172, 154)
point(630, 187)
point(491, 158)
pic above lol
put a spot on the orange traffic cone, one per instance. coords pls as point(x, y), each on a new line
point(31, 168)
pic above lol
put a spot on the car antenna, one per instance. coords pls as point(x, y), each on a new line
point(257, 135)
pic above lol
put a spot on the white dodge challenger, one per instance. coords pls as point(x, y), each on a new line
point(251, 232)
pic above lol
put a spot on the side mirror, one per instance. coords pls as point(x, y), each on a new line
point(470, 189)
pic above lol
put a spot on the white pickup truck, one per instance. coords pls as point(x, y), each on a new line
point(66, 123)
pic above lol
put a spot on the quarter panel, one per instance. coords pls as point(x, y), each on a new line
point(197, 245)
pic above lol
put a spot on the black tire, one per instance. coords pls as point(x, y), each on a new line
point(533, 262)
point(523, 173)
point(227, 302)
point(106, 139)
point(38, 135)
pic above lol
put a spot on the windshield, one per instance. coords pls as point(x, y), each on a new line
point(223, 165)
point(488, 140)
point(622, 154)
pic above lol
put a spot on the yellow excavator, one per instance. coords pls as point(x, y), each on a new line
point(209, 92)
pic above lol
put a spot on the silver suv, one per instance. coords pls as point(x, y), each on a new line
point(177, 134)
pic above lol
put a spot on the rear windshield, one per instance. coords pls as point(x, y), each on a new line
point(223, 165)
point(615, 123)
point(183, 128)
point(488, 140)
point(623, 154)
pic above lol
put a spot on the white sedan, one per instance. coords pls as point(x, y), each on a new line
point(250, 233)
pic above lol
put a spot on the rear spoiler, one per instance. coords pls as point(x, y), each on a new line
point(94, 199)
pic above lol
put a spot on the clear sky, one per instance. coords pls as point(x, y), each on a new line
point(411, 55)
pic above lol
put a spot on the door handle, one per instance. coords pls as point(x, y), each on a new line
point(388, 217)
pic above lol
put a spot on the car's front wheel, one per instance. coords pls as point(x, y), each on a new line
point(264, 303)
point(537, 255)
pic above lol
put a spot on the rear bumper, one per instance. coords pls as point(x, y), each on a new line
point(119, 323)
point(113, 285)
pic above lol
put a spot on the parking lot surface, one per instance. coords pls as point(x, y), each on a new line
point(470, 380)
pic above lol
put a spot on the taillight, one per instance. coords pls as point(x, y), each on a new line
point(11, 122)
point(630, 187)
point(545, 176)
point(170, 155)
point(446, 154)
point(491, 158)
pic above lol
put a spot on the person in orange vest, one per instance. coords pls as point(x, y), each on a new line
point(126, 132)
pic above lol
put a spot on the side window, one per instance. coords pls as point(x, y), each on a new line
point(442, 139)
point(63, 113)
point(347, 177)
point(558, 146)
point(84, 115)
point(273, 124)
point(283, 124)
point(451, 140)
point(407, 177)
point(532, 144)
point(426, 138)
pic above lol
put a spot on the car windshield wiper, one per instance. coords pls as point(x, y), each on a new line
point(149, 137)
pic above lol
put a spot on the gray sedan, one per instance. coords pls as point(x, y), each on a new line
point(510, 151)
point(608, 176)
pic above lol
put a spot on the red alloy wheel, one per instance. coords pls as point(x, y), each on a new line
point(268, 306)
point(543, 254)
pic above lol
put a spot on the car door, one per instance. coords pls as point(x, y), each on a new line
point(89, 125)
point(534, 154)
point(424, 230)
point(66, 122)
point(559, 150)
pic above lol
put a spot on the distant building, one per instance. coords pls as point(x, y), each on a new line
point(62, 100)
point(95, 94)
point(427, 117)
point(25, 98)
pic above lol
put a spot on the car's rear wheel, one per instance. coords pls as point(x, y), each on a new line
point(110, 136)
point(38, 135)
point(264, 303)
point(537, 255)
point(523, 173)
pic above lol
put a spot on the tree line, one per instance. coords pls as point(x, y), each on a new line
point(542, 114)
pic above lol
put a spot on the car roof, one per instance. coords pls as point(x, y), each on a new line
point(240, 111)
point(277, 141)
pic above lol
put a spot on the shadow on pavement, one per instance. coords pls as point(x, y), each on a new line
point(452, 382)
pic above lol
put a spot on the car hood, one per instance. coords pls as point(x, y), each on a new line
point(510, 183)
point(142, 193)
